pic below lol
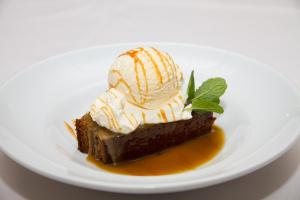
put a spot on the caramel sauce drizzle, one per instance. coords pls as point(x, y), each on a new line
point(171, 66)
point(144, 117)
point(126, 116)
point(162, 59)
point(113, 94)
point(163, 115)
point(107, 117)
point(145, 76)
point(159, 116)
point(137, 60)
point(122, 81)
point(93, 109)
point(158, 73)
point(172, 111)
point(137, 76)
point(113, 117)
point(134, 55)
point(70, 129)
point(116, 72)
point(175, 100)
point(181, 75)
point(180, 97)
point(174, 70)
point(132, 116)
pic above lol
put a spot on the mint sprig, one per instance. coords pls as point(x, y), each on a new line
point(206, 97)
point(204, 105)
point(191, 87)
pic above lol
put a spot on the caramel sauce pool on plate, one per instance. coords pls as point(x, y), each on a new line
point(183, 157)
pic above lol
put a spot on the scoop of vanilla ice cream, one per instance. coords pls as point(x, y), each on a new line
point(145, 88)
point(148, 77)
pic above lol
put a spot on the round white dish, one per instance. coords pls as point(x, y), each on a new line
point(261, 118)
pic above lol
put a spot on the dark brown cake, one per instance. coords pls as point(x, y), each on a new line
point(110, 147)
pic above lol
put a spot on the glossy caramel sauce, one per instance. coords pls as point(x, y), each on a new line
point(70, 129)
point(184, 157)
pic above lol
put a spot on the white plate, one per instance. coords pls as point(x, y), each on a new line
point(261, 119)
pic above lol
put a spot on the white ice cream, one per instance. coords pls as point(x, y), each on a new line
point(145, 88)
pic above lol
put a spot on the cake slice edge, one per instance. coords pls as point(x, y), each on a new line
point(110, 147)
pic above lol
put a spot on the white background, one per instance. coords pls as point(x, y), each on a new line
point(262, 29)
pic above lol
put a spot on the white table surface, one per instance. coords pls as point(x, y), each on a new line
point(266, 30)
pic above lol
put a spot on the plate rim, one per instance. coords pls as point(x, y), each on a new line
point(158, 188)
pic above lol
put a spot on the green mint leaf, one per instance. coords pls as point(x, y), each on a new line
point(210, 98)
point(211, 90)
point(204, 105)
point(191, 87)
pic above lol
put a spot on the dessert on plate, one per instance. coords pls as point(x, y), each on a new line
point(145, 109)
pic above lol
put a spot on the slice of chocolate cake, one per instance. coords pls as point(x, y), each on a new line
point(110, 147)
